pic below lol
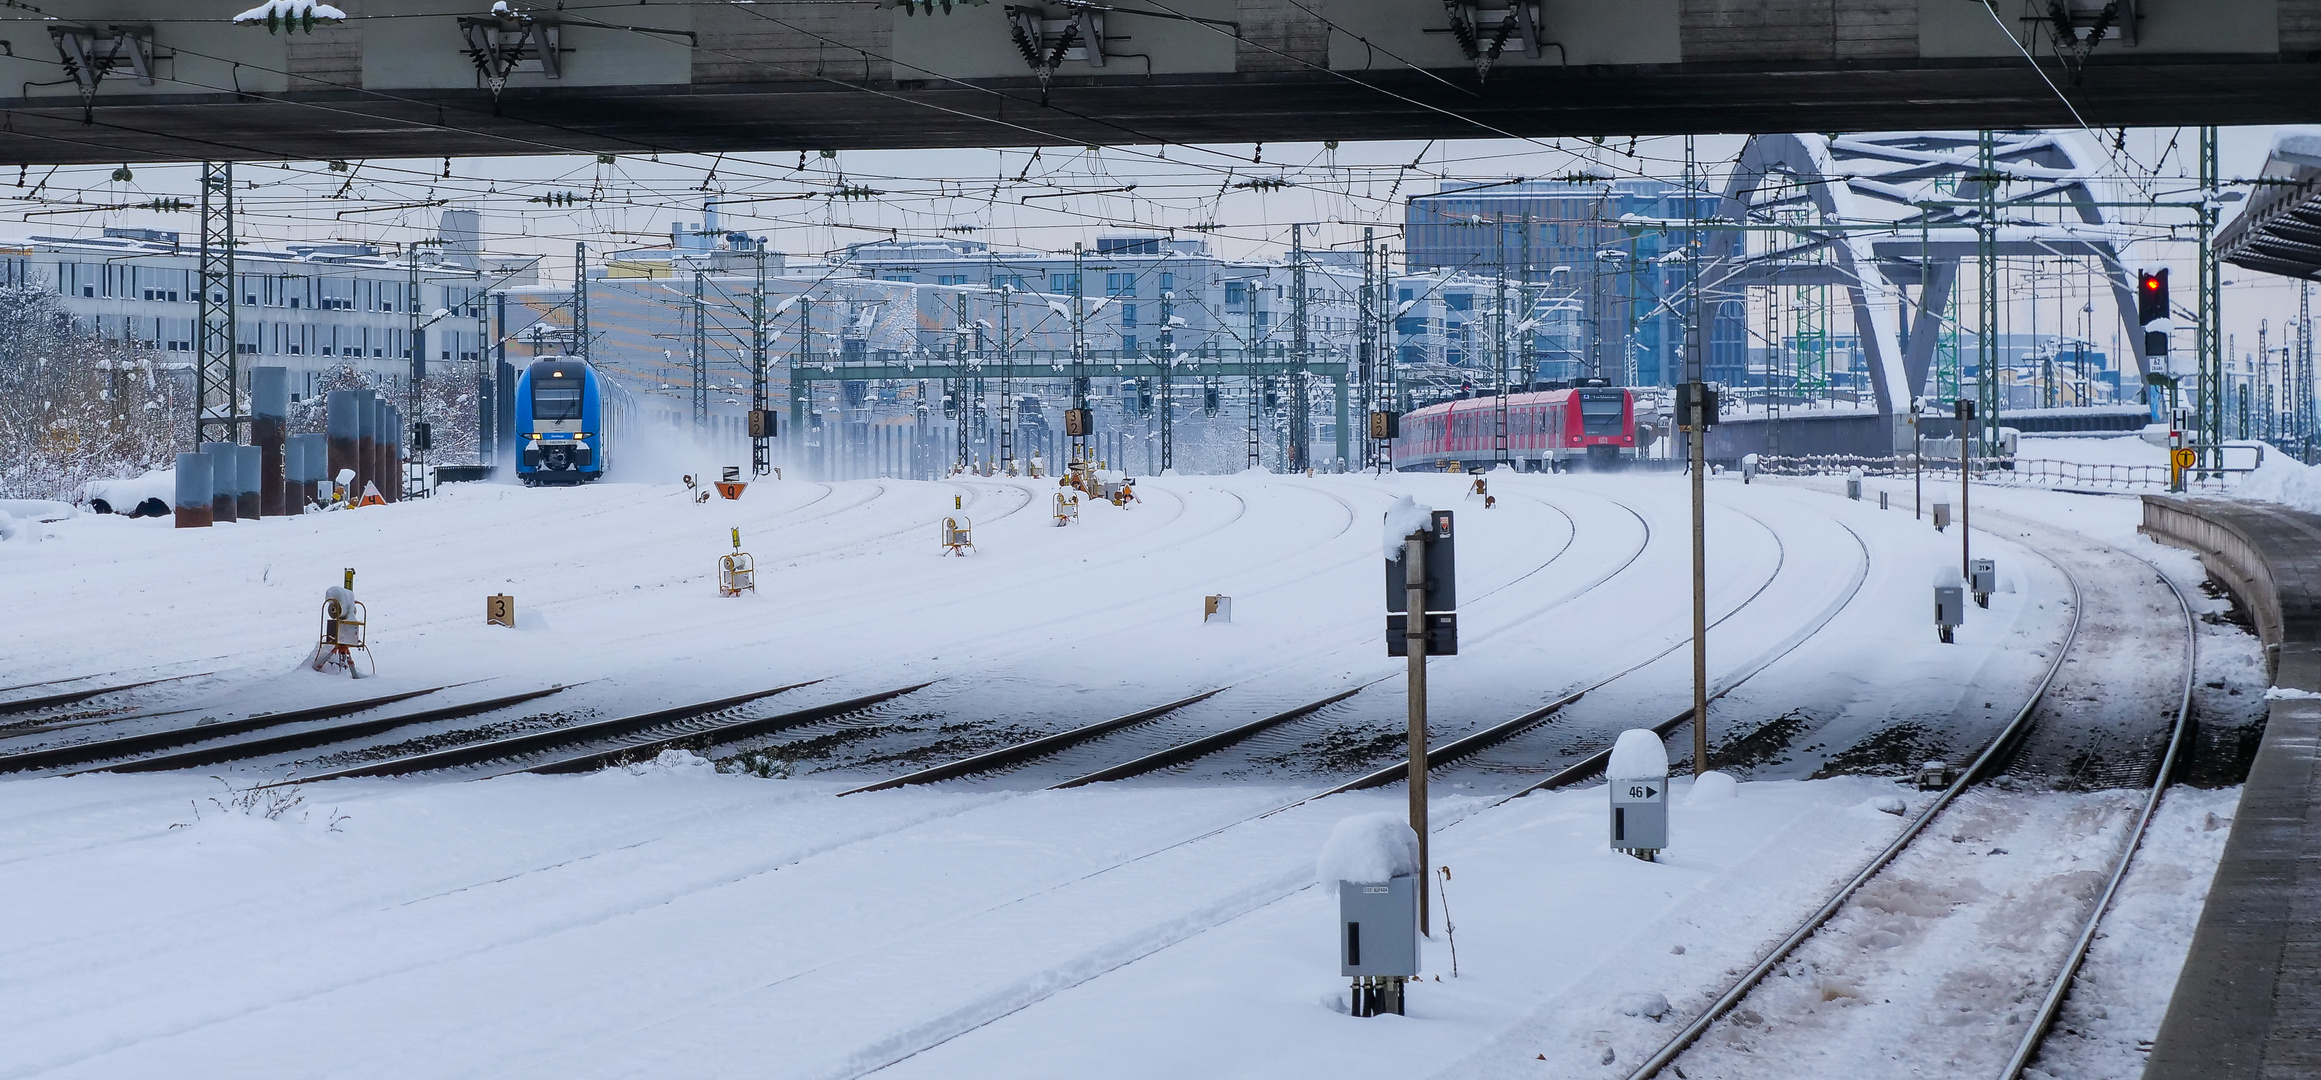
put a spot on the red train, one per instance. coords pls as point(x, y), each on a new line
point(1548, 429)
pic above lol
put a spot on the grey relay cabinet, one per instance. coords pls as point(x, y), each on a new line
point(1640, 815)
point(1378, 940)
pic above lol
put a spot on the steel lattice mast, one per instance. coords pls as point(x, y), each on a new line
point(216, 417)
point(760, 450)
point(700, 357)
point(580, 300)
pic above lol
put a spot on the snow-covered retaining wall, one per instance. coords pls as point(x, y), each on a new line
point(2250, 982)
point(2285, 606)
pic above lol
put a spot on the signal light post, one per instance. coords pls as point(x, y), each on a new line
point(1696, 411)
point(1963, 411)
point(1423, 586)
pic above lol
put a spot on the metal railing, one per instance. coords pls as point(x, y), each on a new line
point(2029, 472)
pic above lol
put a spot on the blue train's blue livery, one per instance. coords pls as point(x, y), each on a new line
point(568, 419)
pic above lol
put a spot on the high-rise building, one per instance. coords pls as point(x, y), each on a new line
point(1597, 252)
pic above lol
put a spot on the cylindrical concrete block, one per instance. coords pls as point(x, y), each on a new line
point(225, 471)
point(344, 439)
point(293, 468)
point(367, 420)
point(269, 423)
point(250, 468)
point(317, 465)
point(193, 491)
point(391, 454)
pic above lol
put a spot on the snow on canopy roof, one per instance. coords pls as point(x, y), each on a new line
point(2298, 145)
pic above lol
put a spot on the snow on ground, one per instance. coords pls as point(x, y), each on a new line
point(2120, 450)
point(669, 919)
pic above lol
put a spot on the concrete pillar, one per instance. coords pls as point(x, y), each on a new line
point(193, 491)
point(367, 440)
point(269, 422)
point(390, 452)
point(344, 424)
point(293, 475)
point(249, 468)
point(225, 470)
point(315, 459)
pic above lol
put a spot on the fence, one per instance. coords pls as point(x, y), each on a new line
point(2028, 472)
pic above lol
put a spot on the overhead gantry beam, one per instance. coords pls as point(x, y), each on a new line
point(146, 80)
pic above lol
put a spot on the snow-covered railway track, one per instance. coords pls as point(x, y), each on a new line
point(91, 751)
point(2067, 973)
point(1063, 973)
point(60, 698)
point(600, 743)
point(1844, 927)
point(1138, 754)
point(313, 738)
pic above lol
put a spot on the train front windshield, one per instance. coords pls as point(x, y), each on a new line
point(557, 401)
point(1601, 414)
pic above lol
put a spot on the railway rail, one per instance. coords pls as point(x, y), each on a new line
point(67, 697)
point(121, 746)
point(1988, 763)
point(1084, 971)
point(681, 726)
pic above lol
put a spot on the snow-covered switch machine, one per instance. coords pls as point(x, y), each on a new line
point(1638, 773)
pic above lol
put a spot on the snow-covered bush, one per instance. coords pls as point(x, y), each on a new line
point(75, 407)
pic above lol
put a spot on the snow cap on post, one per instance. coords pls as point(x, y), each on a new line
point(1403, 518)
point(1639, 755)
point(1368, 848)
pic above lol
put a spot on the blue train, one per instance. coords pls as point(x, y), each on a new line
point(568, 418)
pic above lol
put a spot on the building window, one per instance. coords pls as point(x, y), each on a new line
point(893, 276)
point(1063, 283)
point(1128, 314)
point(1120, 284)
point(1235, 293)
point(1128, 343)
point(950, 279)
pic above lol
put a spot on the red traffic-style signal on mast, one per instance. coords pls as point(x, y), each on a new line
point(2151, 296)
point(2152, 313)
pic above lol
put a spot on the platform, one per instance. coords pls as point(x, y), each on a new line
point(2248, 1003)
